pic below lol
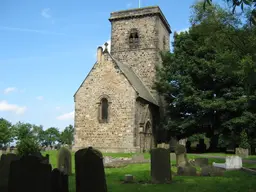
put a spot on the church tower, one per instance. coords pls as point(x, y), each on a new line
point(137, 37)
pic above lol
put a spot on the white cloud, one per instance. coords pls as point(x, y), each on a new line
point(46, 13)
point(5, 106)
point(66, 116)
point(9, 90)
point(183, 30)
point(40, 98)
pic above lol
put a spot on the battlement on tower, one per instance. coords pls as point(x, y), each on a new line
point(140, 12)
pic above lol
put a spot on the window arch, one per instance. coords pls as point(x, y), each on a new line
point(134, 38)
point(103, 110)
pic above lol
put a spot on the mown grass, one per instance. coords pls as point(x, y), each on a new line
point(233, 181)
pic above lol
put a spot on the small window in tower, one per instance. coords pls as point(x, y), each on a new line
point(134, 38)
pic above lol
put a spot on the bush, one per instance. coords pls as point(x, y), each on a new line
point(244, 140)
point(27, 146)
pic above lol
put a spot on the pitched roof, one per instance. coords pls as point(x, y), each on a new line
point(136, 83)
point(134, 80)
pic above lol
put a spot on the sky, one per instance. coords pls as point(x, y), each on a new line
point(48, 47)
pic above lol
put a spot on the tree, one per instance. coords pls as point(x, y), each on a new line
point(23, 130)
point(51, 136)
point(39, 134)
point(202, 94)
point(67, 136)
point(241, 4)
point(6, 132)
point(27, 146)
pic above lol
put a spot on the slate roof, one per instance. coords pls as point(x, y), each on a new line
point(136, 83)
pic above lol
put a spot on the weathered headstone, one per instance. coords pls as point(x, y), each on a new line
point(128, 178)
point(201, 162)
point(59, 181)
point(187, 171)
point(43, 159)
point(211, 171)
point(160, 165)
point(48, 148)
point(5, 164)
point(64, 163)
point(90, 174)
point(173, 156)
point(244, 153)
point(30, 175)
point(8, 150)
point(182, 142)
point(232, 162)
point(172, 144)
point(181, 156)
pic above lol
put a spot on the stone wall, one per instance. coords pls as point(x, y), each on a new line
point(116, 135)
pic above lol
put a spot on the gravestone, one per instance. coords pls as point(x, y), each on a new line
point(181, 156)
point(64, 163)
point(8, 150)
point(232, 162)
point(211, 171)
point(128, 178)
point(182, 142)
point(90, 173)
point(187, 171)
point(244, 153)
point(43, 159)
point(30, 175)
point(59, 181)
point(160, 165)
point(5, 164)
point(201, 162)
point(173, 156)
point(172, 144)
point(48, 148)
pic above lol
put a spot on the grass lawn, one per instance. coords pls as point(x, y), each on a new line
point(233, 181)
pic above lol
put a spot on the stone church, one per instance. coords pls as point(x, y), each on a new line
point(116, 108)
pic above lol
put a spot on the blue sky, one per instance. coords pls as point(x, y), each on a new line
point(48, 47)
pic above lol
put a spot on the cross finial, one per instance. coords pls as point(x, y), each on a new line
point(106, 47)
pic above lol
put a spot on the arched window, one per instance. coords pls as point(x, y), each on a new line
point(133, 38)
point(104, 109)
